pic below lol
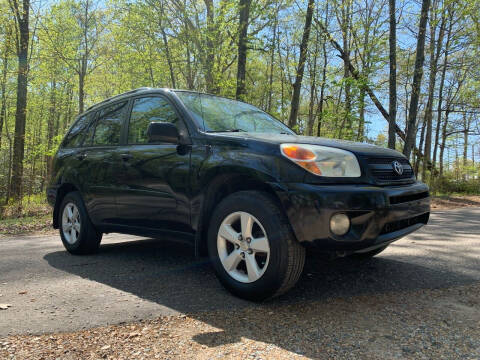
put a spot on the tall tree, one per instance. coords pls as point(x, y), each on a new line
point(417, 80)
point(3, 84)
point(324, 71)
point(435, 51)
point(344, 18)
point(210, 47)
point(292, 120)
point(244, 13)
point(392, 80)
point(440, 90)
point(21, 11)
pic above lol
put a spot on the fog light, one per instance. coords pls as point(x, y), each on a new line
point(339, 224)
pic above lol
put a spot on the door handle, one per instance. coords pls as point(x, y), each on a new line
point(81, 156)
point(126, 157)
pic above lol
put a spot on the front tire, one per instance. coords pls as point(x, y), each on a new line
point(253, 250)
point(77, 232)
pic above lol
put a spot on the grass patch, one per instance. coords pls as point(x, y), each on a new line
point(30, 206)
point(28, 224)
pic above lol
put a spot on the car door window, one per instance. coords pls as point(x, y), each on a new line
point(108, 125)
point(151, 109)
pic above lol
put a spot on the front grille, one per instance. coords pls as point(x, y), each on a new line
point(381, 169)
point(389, 175)
point(406, 198)
point(404, 223)
point(387, 160)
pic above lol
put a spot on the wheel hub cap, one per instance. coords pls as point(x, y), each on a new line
point(243, 247)
point(71, 223)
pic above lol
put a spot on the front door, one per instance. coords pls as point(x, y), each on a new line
point(99, 163)
point(154, 178)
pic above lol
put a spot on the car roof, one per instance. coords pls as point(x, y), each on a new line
point(138, 91)
point(121, 96)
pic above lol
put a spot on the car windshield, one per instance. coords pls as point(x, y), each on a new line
point(217, 114)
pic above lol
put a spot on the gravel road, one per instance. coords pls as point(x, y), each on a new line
point(418, 299)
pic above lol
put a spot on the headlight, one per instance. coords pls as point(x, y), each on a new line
point(322, 160)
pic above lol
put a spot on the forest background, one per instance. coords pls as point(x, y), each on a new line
point(397, 73)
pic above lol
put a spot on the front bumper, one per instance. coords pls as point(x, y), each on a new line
point(378, 215)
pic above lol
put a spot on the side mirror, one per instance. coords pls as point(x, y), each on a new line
point(162, 132)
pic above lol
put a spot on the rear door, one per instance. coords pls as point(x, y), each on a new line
point(154, 177)
point(100, 162)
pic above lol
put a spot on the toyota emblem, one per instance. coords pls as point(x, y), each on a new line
point(397, 167)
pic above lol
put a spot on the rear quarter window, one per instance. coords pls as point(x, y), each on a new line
point(76, 135)
point(107, 128)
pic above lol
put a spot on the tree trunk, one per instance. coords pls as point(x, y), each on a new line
point(392, 80)
point(420, 146)
point(345, 26)
point(166, 45)
point(169, 59)
point(272, 58)
point(210, 57)
point(244, 14)
point(22, 16)
point(50, 125)
point(466, 130)
point(444, 141)
point(440, 92)
point(417, 79)
point(324, 75)
point(434, 56)
point(313, 87)
point(3, 108)
point(81, 88)
point(361, 120)
point(292, 120)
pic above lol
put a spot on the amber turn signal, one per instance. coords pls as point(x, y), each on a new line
point(301, 156)
point(295, 152)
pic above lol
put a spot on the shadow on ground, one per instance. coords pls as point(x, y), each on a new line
point(167, 273)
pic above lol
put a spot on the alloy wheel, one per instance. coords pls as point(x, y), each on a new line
point(243, 247)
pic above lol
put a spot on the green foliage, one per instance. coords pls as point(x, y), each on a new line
point(452, 186)
point(118, 45)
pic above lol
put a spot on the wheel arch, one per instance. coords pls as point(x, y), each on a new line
point(63, 190)
point(221, 186)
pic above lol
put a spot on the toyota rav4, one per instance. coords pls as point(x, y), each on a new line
point(240, 184)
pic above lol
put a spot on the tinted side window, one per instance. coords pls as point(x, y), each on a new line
point(77, 133)
point(151, 109)
point(109, 124)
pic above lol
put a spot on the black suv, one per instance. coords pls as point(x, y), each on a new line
point(241, 185)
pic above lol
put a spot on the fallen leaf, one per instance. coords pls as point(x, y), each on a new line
point(22, 292)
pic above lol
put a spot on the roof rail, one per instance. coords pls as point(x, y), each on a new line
point(117, 96)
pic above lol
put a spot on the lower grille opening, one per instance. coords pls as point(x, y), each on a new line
point(406, 198)
point(404, 223)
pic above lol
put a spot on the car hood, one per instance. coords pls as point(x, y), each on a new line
point(355, 147)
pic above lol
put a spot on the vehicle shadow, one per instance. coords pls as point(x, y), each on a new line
point(167, 273)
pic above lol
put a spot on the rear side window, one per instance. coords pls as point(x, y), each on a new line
point(76, 134)
point(151, 109)
point(108, 125)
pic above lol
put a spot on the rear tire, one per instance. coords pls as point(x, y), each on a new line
point(252, 248)
point(368, 255)
point(78, 234)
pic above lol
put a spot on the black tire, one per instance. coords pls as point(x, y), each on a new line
point(369, 254)
point(88, 238)
point(287, 256)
